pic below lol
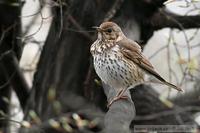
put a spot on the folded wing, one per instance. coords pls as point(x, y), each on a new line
point(132, 51)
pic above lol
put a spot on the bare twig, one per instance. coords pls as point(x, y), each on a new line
point(79, 27)
point(168, 60)
point(4, 31)
point(111, 13)
point(61, 17)
point(177, 51)
point(173, 19)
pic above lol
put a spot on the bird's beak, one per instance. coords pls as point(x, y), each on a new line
point(97, 28)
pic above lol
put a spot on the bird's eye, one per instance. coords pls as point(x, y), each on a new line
point(109, 30)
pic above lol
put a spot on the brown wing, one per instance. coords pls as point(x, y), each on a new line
point(132, 51)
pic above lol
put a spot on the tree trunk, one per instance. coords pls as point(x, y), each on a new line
point(10, 52)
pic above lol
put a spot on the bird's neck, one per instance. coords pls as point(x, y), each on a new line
point(101, 46)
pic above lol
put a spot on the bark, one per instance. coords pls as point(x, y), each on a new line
point(165, 18)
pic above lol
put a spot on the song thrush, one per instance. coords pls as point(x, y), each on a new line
point(119, 62)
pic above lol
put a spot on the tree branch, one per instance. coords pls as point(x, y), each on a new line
point(113, 10)
point(120, 114)
point(164, 18)
point(17, 80)
point(154, 111)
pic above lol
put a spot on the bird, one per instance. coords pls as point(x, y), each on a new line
point(119, 61)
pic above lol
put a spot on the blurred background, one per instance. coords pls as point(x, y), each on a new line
point(168, 32)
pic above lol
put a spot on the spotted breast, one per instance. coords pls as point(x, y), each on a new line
point(112, 67)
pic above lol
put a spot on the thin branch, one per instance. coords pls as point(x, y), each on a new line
point(79, 27)
point(177, 51)
point(181, 26)
point(168, 59)
point(61, 17)
point(8, 81)
point(4, 31)
point(10, 120)
point(113, 10)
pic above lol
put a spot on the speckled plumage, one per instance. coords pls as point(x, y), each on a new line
point(112, 67)
point(118, 61)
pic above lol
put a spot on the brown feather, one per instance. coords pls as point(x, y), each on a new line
point(132, 51)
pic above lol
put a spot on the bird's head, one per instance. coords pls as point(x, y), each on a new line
point(109, 31)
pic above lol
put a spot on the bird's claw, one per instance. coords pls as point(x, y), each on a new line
point(115, 99)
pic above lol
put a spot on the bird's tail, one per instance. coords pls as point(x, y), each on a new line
point(172, 86)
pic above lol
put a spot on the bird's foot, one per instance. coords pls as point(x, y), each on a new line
point(118, 97)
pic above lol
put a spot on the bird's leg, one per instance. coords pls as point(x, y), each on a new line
point(120, 95)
